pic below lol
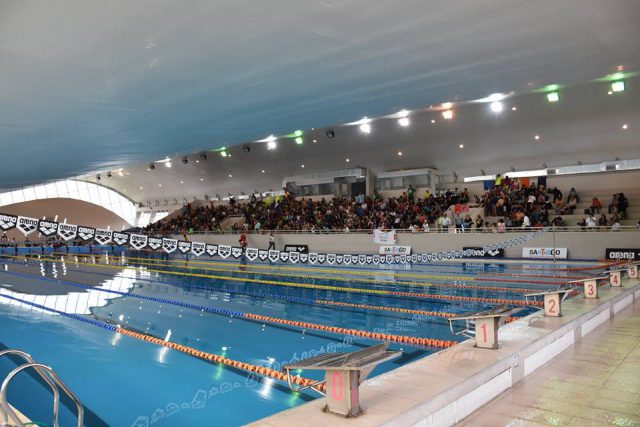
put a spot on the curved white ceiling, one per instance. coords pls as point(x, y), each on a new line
point(90, 85)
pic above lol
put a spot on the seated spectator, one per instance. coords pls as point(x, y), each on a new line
point(596, 205)
point(591, 222)
point(623, 204)
point(616, 226)
point(602, 221)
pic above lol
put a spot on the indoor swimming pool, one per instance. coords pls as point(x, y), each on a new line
point(73, 311)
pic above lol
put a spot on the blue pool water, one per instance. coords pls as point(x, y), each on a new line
point(126, 382)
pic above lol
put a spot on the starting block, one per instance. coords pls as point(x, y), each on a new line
point(483, 325)
point(344, 372)
point(633, 270)
point(615, 277)
point(590, 286)
point(552, 301)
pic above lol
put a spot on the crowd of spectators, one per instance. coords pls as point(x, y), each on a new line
point(339, 213)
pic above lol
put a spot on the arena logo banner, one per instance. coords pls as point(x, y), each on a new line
point(138, 241)
point(120, 239)
point(67, 231)
point(375, 259)
point(384, 237)
point(313, 258)
point(27, 225)
point(251, 254)
point(544, 253)
point(362, 259)
point(388, 258)
point(346, 259)
point(622, 254)
point(184, 247)
point(7, 222)
point(169, 245)
point(154, 243)
point(86, 233)
point(263, 254)
point(322, 258)
point(294, 257)
point(274, 255)
point(297, 248)
point(103, 237)
point(47, 228)
point(414, 258)
point(479, 252)
point(331, 258)
point(284, 256)
point(198, 248)
point(339, 259)
point(224, 251)
point(211, 249)
point(304, 258)
point(368, 259)
point(236, 252)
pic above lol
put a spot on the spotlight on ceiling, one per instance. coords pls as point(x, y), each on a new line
point(365, 128)
point(98, 177)
point(223, 153)
point(496, 106)
point(330, 133)
point(151, 167)
point(271, 145)
point(185, 160)
point(109, 175)
point(553, 97)
point(246, 149)
point(299, 140)
point(447, 114)
point(203, 156)
point(404, 121)
point(168, 164)
point(618, 86)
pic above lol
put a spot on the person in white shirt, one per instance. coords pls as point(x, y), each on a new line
point(526, 222)
point(591, 222)
point(615, 226)
point(446, 222)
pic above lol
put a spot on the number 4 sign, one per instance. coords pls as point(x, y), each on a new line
point(615, 279)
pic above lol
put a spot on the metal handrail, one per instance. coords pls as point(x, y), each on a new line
point(58, 383)
point(27, 357)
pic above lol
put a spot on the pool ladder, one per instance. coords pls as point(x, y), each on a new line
point(8, 416)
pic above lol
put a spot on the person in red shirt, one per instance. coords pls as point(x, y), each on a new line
point(243, 241)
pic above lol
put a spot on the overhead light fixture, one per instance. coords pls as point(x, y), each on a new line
point(302, 166)
point(447, 105)
point(461, 145)
point(223, 153)
point(496, 106)
point(365, 128)
point(404, 121)
point(447, 114)
point(141, 187)
point(271, 145)
point(480, 178)
point(347, 160)
point(201, 179)
point(536, 137)
point(625, 126)
point(399, 153)
point(181, 182)
point(553, 97)
point(618, 86)
point(433, 121)
point(315, 140)
point(263, 171)
point(230, 176)
point(168, 164)
point(299, 140)
point(514, 108)
point(160, 185)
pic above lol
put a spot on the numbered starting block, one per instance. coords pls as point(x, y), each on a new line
point(344, 372)
point(483, 325)
point(615, 277)
point(590, 285)
point(633, 270)
point(552, 301)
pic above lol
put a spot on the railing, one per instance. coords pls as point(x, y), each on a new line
point(49, 376)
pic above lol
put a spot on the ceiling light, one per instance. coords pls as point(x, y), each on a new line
point(536, 137)
point(433, 121)
point(201, 179)
point(120, 173)
point(223, 153)
point(514, 108)
point(404, 122)
point(461, 145)
point(181, 182)
point(271, 145)
point(447, 114)
point(399, 153)
point(230, 176)
point(302, 166)
point(625, 126)
point(299, 140)
point(403, 113)
point(618, 86)
point(553, 97)
point(262, 170)
point(141, 188)
point(496, 106)
point(160, 185)
point(315, 140)
point(447, 105)
point(168, 164)
point(347, 160)
point(365, 128)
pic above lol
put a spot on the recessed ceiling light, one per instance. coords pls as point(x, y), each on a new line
point(168, 164)
point(347, 160)
point(271, 145)
point(496, 106)
point(141, 188)
point(447, 114)
point(365, 128)
point(553, 97)
point(315, 140)
point(404, 122)
point(230, 176)
point(120, 173)
point(447, 105)
point(461, 145)
point(618, 86)
point(201, 179)
point(181, 182)
point(514, 108)
point(159, 185)
point(433, 121)
point(299, 140)
point(301, 166)
point(625, 126)
point(399, 153)
point(197, 161)
point(262, 170)
point(536, 137)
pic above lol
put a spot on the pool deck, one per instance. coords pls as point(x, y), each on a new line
point(443, 389)
point(594, 383)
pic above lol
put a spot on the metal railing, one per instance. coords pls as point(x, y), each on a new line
point(49, 376)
